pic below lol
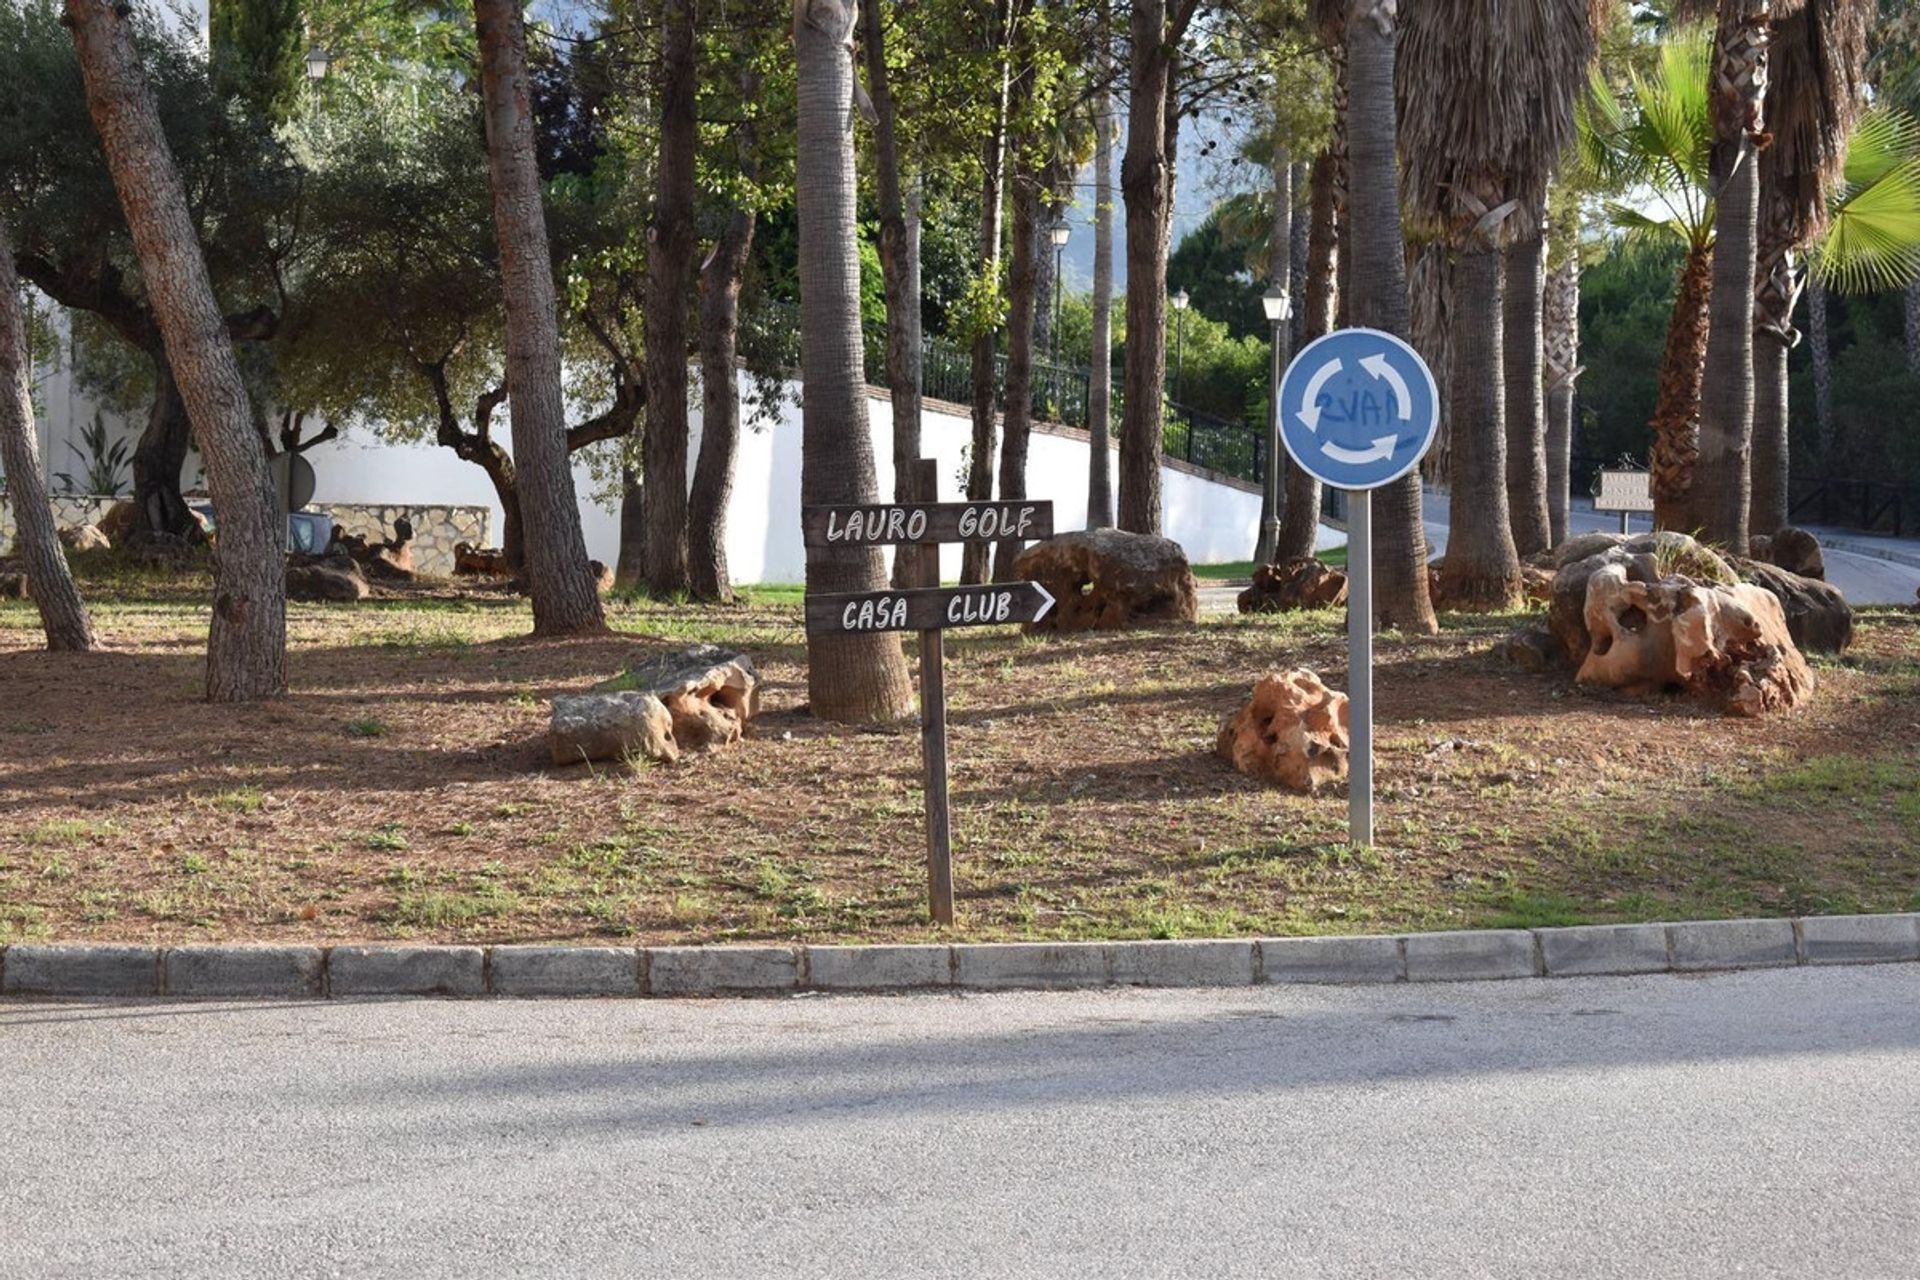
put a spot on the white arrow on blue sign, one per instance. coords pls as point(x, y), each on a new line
point(1358, 408)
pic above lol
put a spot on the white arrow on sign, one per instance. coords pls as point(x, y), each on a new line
point(1046, 601)
point(1309, 399)
point(1382, 450)
point(1377, 366)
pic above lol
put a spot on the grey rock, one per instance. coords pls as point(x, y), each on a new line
point(1818, 616)
point(407, 971)
point(565, 971)
point(1470, 955)
point(610, 726)
point(711, 694)
point(282, 972)
point(1367, 958)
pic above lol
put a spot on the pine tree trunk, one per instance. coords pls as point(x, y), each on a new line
point(1481, 572)
point(1279, 276)
point(63, 616)
point(1022, 286)
point(1560, 322)
point(720, 282)
point(975, 556)
point(1146, 182)
point(670, 249)
point(850, 678)
point(1724, 480)
point(246, 645)
point(1320, 287)
point(1100, 357)
point(1526, 409)
point(1379, 297)
point(1676, 407)
point(566, 600)
point(899, 265)
point(158, 458)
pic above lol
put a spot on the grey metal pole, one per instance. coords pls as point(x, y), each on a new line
point(1269, 540)
point(1360, 667)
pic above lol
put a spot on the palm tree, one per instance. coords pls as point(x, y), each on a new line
point(850, 678)
point(1488, 96)
point(247, 639)
point(63, 616)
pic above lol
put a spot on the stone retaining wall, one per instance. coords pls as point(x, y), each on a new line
point(435, 528)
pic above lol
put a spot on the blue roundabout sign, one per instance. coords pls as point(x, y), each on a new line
point(1358, 408)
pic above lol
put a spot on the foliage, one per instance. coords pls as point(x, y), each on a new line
point(255, 52)
point(1211, 265)
point(1625, 301)
point(1873, 235)
point(105, 459)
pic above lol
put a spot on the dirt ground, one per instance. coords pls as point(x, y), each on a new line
point(403, 789)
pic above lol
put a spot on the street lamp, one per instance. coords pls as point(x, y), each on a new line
point(1279, 308)
point(1060, 231)
point(1180, 301)
point(319, 62)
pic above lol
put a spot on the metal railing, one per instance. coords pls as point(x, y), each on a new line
point(1872, 506)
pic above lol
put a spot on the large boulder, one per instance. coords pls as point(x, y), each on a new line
point(1796, 551)
point(710, 694)
point(1726, 645)
point(1644, 557)
point(610, 726)
point(1303, 582)
point(85, 537)
point(118, 521)
point(1292, 732)
point(337, 580)
point(1818, 616)
point(1104, 579)
point(470, 561)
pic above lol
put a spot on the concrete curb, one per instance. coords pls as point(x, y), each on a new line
point(87, 971)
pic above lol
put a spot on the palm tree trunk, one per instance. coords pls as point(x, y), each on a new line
point(1724, 481)
point(63, 616)
point(1676, 407)
point(974, 557)
point(1022, 284)
point(1819, 339)
point(854, 678)
point(1379, 297)
point(1481, 571)
point(1430, 299)
point(720, 281)
point(1279, 276)
point(1912, 303)
point(1100, 356)
point(1146, 181)
point(1560, 349)
point(1300, 516)
point(1776, 293)
point(246, 645)
point(565, 598)
point(1526, 281)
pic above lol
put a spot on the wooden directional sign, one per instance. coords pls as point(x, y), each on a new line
point(926, 523)
point(927, 609)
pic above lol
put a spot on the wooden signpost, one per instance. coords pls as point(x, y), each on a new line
point(918, 528)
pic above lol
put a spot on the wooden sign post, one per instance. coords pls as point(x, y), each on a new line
point(917, 529)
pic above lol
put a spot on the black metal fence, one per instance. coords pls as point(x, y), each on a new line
point(1873, 506)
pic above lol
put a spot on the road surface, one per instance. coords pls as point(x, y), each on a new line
point(1761, 1124)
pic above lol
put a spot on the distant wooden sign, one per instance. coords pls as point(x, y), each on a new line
point(1624, 491)
point(928, 609)
point(893, 524)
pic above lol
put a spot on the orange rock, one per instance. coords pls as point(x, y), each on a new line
point(1105, 579)
point(1304, 582)
point(1292, 732)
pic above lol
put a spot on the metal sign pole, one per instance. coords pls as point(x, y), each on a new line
point(1360, 667)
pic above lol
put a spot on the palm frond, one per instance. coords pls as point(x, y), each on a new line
point(1872, 240)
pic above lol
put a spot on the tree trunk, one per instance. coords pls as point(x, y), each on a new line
point(1279, 276)
point(850, 677)
point(627, 573)
point(670, 249)
point(1430, 301)
point(1300, 515)
point(899, 265)
point(1043, 291)
point(1146, 181)
point(1676, 408)
point(246, 645)
point(1560, 346)
point(1302, 235)
point(1776, 293)
point(1820, 356)
point(1100, 355)
point(1379, 297)
point(1526, 281)
point(1724, 482)
point(1342, 190)
point(974, 556)
point(566, 600)
point(1022, 285)
point(1481, 571)
point(1912, 302)
point(719, 410)
point(63, 616)
point(158, 458)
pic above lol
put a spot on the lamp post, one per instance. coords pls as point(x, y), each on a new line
point(1060, 231)
point(1180, 301)
point(1279, 308)
point(319, 62)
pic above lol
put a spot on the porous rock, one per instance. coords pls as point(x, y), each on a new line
point(1302, 582)
point(1530, 650)
point(711, 694)
point(1292, 732)
point(1645, 557)
point(610, 726)
point(1106, 579)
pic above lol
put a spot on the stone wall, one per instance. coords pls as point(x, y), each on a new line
point(435, 528)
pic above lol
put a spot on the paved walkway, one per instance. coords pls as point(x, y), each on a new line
point(1761, 1124)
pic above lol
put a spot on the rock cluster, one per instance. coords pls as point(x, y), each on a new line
point(1292, 732)
point(1303, 582)
point(1106, 579)
point(662, 707)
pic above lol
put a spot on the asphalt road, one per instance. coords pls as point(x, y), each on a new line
point(1754, 1124)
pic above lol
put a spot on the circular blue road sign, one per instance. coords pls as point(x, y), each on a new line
point(1358, 408)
